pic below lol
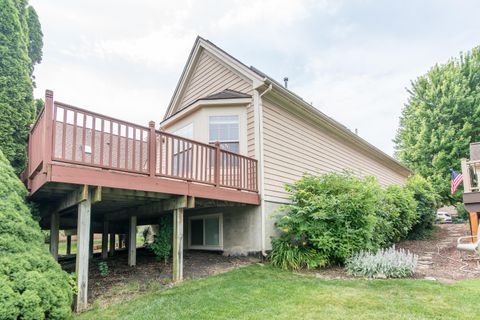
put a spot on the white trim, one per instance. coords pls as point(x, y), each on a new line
point(220, 232)
point(200, 104)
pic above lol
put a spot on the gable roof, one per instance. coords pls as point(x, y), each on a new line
point(232, 63)
point(260, 79)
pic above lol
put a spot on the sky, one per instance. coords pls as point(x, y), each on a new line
point(353, 60)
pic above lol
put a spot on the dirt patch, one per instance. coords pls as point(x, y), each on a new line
point(439, 257)
point(124, 282)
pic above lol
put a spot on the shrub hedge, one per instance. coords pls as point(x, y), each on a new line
point(427, 202)
point(334, 215)
point(32, 284)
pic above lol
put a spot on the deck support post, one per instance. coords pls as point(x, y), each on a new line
point(111, 251)
point(473, 219)
point(177, 245)
point(132, 241)
point(83, 252)
point(69, 245)
point(92, 238)
point(105, 239)
point(54, 234)
point(121, 240)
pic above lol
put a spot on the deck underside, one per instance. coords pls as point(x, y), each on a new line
point(123, 194)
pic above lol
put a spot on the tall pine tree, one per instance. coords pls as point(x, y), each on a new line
point(17, 110)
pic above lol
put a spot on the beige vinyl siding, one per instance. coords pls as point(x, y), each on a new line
point(294, 146)
point(211, 76)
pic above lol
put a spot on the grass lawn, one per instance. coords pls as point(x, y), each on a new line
point(261, 292)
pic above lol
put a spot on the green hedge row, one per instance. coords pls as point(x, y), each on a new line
point(333, 215)
point(32, 284)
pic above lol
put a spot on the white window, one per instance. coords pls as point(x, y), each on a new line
point(225, 129)
point(206, 232)
point(186, 131)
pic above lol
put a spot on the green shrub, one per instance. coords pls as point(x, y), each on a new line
point(427, 205)
point(330, 217)
point(103, 269)
point(385, 263)
point(291, 256)
point(32, 284)
point(162, 245)
point(400, 210)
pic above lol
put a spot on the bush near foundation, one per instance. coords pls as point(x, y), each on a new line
point(397, 214)
point(32, 284)
point(331, 216)
point(427, 204)
point(335, 215)
point(162, 245)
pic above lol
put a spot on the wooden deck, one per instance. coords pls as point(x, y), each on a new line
point(72, 146)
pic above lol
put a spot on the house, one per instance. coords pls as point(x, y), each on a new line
point(231, 138)
point(218, 98)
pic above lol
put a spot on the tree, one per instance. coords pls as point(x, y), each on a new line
point(32, 284)
point(35, 37)
point(17, 110)
point(440, 120)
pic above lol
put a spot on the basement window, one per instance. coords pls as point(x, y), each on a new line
point(206, 232)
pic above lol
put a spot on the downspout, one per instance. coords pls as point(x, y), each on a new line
point(262, 166)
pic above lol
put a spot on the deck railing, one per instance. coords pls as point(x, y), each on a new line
point(471, 175)
point(65, 133)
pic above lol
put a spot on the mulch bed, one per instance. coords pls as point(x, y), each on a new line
point(439, 257)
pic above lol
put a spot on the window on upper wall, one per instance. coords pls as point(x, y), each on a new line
point(225, 129)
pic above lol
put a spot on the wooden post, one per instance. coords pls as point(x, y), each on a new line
point(132, 241)
point(82, 257)
point(177, 245)
point(473, 217)
point(48, 132)
point(217, 164)
point(92, 238)
point(54, 233)
point(152, 144)
point(105, 239)
point(467, 181)
point(121, 241)
point(69, 245)
point(112, 244)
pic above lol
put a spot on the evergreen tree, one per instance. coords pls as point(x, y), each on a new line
point(35, 37)
point(32, 284)
point(440, 120)
point(17, 108)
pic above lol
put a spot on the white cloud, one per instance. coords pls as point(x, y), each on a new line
point(353, 60)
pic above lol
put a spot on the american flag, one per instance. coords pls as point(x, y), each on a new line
point(457, 178)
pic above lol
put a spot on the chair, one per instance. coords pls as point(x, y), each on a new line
point(470, 245)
